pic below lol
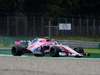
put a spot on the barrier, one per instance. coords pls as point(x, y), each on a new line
point(8, 42)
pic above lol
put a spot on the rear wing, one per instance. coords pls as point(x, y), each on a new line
point(18, 42)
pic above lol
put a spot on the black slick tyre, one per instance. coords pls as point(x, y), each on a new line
point(17, 50)
point(54, 51)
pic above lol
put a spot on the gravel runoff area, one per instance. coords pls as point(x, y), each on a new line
point(48, 66)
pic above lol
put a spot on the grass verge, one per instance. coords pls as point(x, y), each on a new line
point(92, 50)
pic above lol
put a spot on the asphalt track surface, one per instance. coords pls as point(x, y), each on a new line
point(31, 65)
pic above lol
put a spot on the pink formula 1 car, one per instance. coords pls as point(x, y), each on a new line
point(41, 47)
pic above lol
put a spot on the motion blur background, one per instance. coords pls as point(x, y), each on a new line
point(32, 26)
point(27, 19)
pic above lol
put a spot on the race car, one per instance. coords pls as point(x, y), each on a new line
point(44, 46)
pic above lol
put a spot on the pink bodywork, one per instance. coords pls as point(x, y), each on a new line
point(39, 43)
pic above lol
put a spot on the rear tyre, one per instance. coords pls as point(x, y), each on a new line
point(17, 50)
point(79, 50)
point(54, 51)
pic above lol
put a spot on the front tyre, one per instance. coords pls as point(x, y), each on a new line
point(54, 51)
point(17, 50)
point(79, 50)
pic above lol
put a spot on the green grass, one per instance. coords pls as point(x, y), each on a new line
point(94, 53)
point(92, 50)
